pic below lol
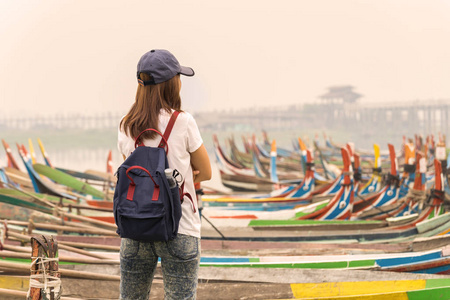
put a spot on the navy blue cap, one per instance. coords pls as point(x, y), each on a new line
point(161, 65)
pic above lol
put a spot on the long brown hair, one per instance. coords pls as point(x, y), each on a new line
point(150, 99)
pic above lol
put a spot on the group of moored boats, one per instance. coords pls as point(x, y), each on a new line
point(333, 211)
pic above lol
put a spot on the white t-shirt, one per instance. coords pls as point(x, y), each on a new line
point(184, 139)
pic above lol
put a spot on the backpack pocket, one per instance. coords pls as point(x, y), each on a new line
point(142, 184)
point(144, 226)
point(176, 208)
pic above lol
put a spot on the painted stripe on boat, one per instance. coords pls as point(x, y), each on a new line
point(394, 289)
point(437, 270)
point(14, 283)
point(434, 293)
point(308, 222)
point(250, 200)
point(334, 289)
point(386, 262)
point(299, 265)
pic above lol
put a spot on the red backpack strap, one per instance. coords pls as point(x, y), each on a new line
point(138, 142)
point(183, 194)
point(164, 138)
point(168, 129)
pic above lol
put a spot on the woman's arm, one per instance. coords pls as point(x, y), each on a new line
point(200, 164)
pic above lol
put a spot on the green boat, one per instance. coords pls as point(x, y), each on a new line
point(68, 180)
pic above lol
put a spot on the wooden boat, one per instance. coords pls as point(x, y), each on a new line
point(220, 283)
point(333, 187)
point(266, 145)
point(68, 181)
point(238, 178)
point(319, 179)
point(78, 174)
point(433, 227)
point(282, 198)
point(40, 184)
point(377, 212)
point(24, 204)
point(241, 177)
point(380, 231)
point(101, 180)
point(409, 168)
point(286, 163)
point(432, 207)
point(373, 290)
point(374, 183)
point(4, 180)
point(376, 260)
point(240, 183)
point(11, 160)
point(263, 248)
point(19, 179)
point(402, 206)
point(221, 215)
point(439, 266)
point(390, 261)
point(340, 206)
point(44, 153)
point(260, 170)
point(388, 195)
point(82, 175)
point(416, 200)
point(355, 261)
point(109, 164)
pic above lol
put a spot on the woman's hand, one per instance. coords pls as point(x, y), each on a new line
point(195, 173)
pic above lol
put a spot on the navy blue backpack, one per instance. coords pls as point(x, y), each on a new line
point(145, 207)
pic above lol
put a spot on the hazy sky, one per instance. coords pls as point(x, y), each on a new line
point(81, 55)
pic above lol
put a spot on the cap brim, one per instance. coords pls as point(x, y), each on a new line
point(187, 71)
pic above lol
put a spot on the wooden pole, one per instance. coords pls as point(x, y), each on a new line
point(64, 272)
point(91, 221)
point(90, 230)
point(24, 237)
point(84, 252)
point(46, 218)
point(36, 251)
point(68, 243)
point(62, 258)
point(44, 279)
point(14, 293)
point(91, 246)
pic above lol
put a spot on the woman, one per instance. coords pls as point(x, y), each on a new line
point(157, 97)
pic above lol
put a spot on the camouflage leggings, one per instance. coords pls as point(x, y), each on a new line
point(180, 259)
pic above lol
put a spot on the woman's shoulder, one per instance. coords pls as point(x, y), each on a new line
point(185, 116)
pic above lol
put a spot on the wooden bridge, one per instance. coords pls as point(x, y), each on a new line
point(419, 117)
point(360, 120)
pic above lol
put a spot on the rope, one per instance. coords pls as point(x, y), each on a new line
point(44, 280)
point(416, 196)
point(375, 207)
point(419, 197)
point(447, 198)
point(392, 179)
